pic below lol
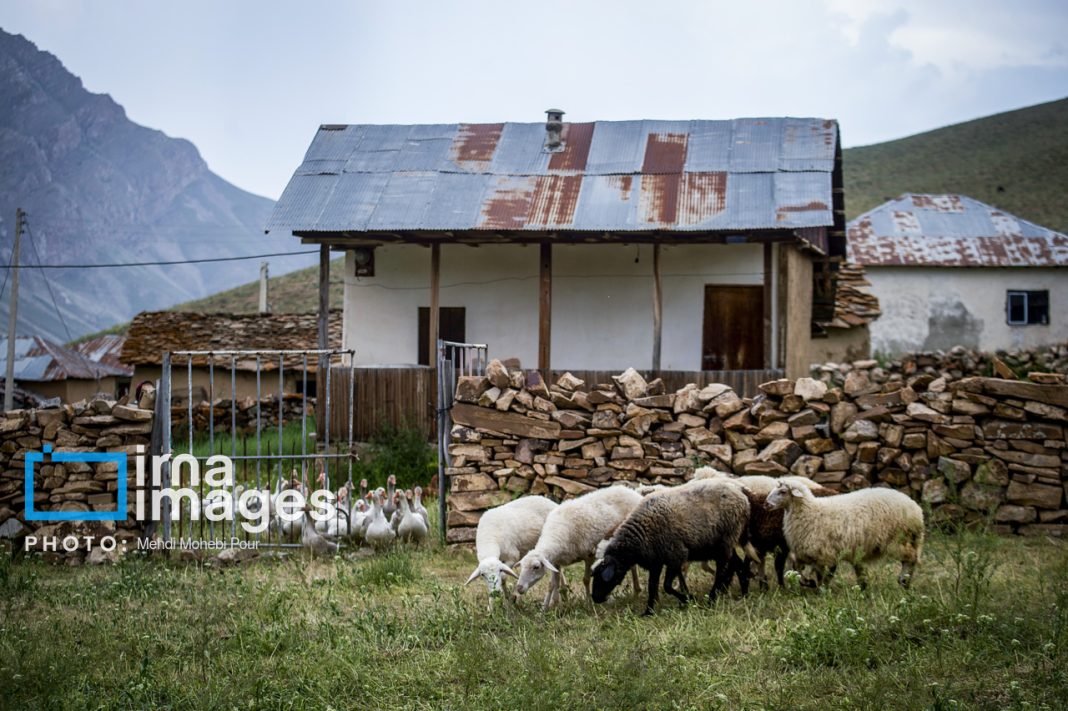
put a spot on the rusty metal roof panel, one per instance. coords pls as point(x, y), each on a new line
point(611, 175)
point(353, 200)
point(756, 145)
point(40, 360)
point(607, 201)
point(951, 230)
point(520, 150)
point(709, 148)
point(617, 148)
point(403, 202)
point(808, 145)
point(107, 350)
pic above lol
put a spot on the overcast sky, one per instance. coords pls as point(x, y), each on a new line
point(249, 81)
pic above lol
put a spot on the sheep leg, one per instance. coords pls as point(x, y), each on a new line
point(780, 565)
point(724, 573)
point(587, 578)
point(634, 582)
point(669, 578)
point(862, 578)
point(554, 582)
point(654, 589)
point(757, 568)
point(741, 569)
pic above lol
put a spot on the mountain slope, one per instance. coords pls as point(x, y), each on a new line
point(296, 292)
point(98, 187)
point(1022, 152)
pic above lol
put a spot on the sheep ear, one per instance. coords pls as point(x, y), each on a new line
point(551, 567)
point(508, 571)
point(472, 578)
point(796, 492)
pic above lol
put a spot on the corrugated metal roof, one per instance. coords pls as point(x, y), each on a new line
point(953, 231)
point(107, 350)
point(40, 360)
point(621, 176)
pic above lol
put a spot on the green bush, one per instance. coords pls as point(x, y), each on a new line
point(401, 451)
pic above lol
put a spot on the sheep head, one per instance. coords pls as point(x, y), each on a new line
point(533, 568)
point(607, 574)
point(492, 572)
point(781, 496)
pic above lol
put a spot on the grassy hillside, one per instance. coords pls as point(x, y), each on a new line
point(1025, 152)
point(1017, 160)
point(296, 292)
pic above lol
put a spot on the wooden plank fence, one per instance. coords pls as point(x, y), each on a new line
point(397, 397)
point(403, 396)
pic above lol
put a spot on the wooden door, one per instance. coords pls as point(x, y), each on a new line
point(733, 328)
point(452, 326)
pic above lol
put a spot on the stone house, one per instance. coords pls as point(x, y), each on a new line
point(949, 271)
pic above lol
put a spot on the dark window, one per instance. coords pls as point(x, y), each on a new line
point(452, 326)
point(1023, 308)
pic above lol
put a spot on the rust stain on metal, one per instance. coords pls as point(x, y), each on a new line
point(476, 142)
point(932, 250)
point(555, 200)
point(577, 138)
point(941, 203)
point(508, 208)
point(623, 182)
point(703, 195)
point(905, 222)
point(659, 199)
point(665, 153)
point(783, 211)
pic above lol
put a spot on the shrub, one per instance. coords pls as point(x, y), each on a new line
point(400, 451)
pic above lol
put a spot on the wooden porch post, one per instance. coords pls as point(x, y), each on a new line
point(767, 306)
point(657, 308)
point(435, 284)
point(545, 307)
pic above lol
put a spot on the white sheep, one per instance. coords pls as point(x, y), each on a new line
point(857, 527)
point(756, 483)
point(571, 533)
point(505, 534)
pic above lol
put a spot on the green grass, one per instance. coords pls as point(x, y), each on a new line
point(245, 444)
point(1025, 152)
point(296, 292)
point(986, 626)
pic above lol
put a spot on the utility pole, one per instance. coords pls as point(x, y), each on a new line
point(9, 382)
point(264, 308)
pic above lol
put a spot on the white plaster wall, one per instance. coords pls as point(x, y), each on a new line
point(937, 307)
point(602, 301)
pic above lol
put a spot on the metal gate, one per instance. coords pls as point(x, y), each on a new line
point(454, 360)
point(253, 406)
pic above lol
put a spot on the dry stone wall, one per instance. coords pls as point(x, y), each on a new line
point(970, 449)
point(245, 414)
point(97, 426)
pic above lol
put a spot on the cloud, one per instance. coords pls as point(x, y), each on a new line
point(960, 36)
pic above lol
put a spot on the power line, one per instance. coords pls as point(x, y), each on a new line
point(47, 281)
point(161, 263)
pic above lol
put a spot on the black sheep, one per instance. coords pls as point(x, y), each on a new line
point(704, 520)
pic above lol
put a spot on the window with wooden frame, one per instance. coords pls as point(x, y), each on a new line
point(1027, 308)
